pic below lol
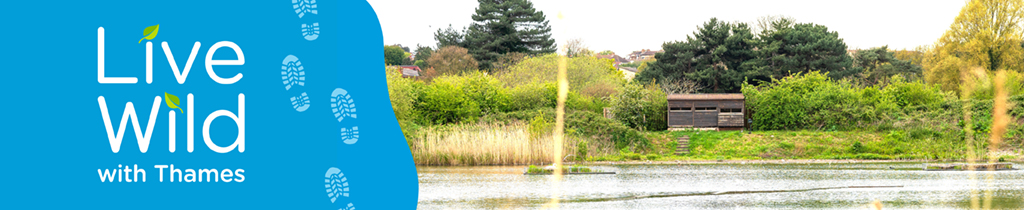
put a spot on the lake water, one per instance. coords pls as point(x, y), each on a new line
point(721, 186)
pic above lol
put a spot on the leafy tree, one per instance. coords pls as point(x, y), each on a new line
point(504, 26)
point(788, 48)
point(394, 55)
point(405, 58)
point(606, 52)
point(588, 73)
point(422, 54)
point(714, 57)
point(640, 107)
point(452, 60)
point(450, 37)
point(986, 34)
point(404, 48)
point(915, 56)
point(421, 63)
point(875, 65)
point(507, 61)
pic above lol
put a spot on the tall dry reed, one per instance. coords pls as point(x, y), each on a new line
point(484, 144)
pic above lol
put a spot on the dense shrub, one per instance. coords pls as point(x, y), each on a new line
point(640, 107)
point(814, 101)
point(594, 76)
point(580, 123)
point(445, 101)
point(404, 93)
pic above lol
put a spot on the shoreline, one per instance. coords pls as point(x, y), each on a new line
point(713, 162)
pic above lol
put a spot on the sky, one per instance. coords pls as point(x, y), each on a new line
point(624, 26)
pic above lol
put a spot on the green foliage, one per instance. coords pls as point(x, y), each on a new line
point(877, 65)
point(540, 126)
point(583, 124)
point(421, 63)
point(394, 55)
point(985, 37)
point(643, 108)
point(586, 74)
point(788, 48)
point(906, 94)
point(576, 168)
point(404, 94)
point(501, 27)
point(452, 60)
point(445, 101)
point(857, 147)
point(720, 56)
point(582, 150)
point(814, 101)
point(714, 56)
point(422, 54)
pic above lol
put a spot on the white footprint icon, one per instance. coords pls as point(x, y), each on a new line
point(304, 6)
point(342, 104)
point(350, 136)
point(349, 207)
point(301, 102)
point(311, 31)
point(292, 72)
point(336, 184)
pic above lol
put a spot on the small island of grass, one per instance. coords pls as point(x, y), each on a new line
point(573, 169)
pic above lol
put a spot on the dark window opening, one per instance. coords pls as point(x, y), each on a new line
point(706, 108)
point(732, 110)
point(680, 108)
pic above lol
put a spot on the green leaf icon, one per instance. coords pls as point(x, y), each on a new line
point(150, 32)
point(173, 102)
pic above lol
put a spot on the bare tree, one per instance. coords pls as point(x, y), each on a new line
point(768, 22)
point(679, 86)
point(576, 47)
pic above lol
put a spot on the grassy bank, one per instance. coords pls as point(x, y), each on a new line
point(773, 145)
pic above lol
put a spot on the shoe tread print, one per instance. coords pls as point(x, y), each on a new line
point(292, 72)
point(342, 104)
point(311, 31)
point(301, 102)
point(349, 207)
point(302, 7)
point(350, 136)
point(336, 184)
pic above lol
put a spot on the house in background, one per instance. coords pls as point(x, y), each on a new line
point(615, 58)
point(628, 72)
point(410, 70)
point(644, 54)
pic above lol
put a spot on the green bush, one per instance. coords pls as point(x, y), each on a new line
point(403, 93)
point(539, 126)
point(857, 148)
point(582, 150)
point(583, 124)
point(445, 101)
point(814, 101)
point(588, 74)
point(532, 96)
point(486, 91)
point(640, 107)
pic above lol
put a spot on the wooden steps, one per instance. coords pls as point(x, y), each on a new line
point(684, 145)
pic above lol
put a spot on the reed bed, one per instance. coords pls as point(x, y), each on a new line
point(483, 144)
